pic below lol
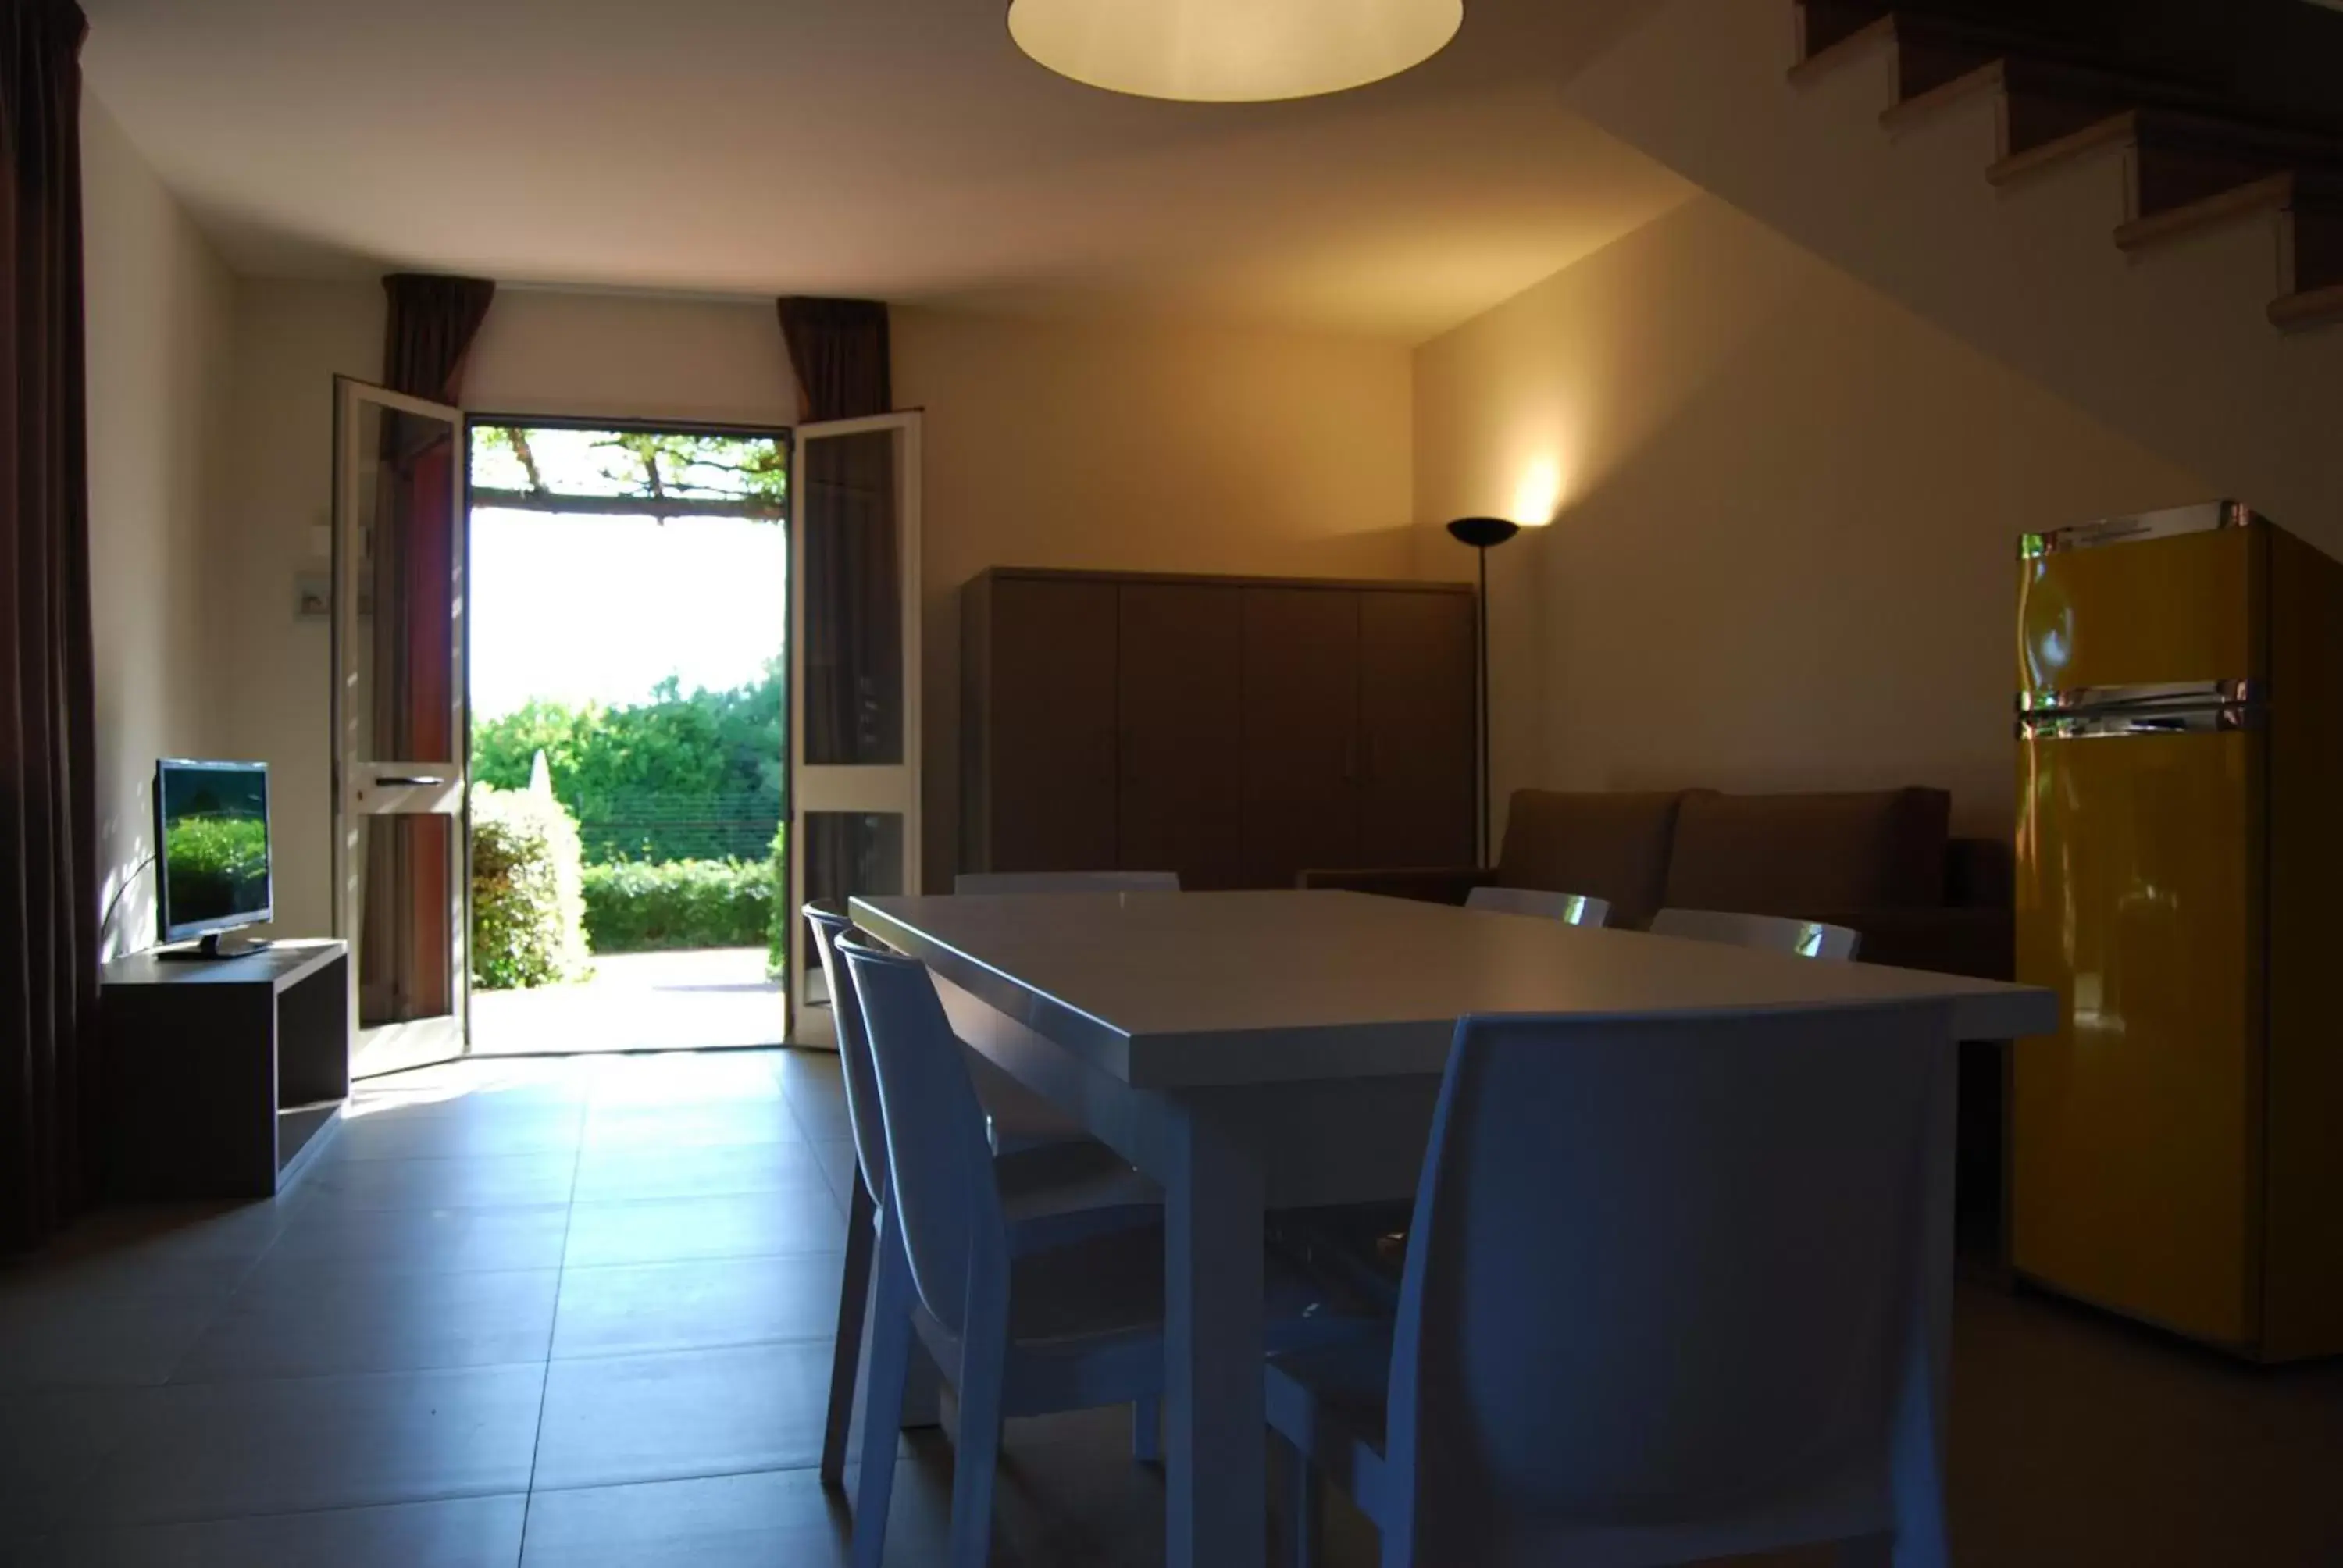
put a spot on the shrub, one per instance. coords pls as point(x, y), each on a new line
point(636, 906)
point(527, 910)
point(776, 926)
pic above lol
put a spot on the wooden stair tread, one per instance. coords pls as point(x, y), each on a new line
point(2272, 193)
point(2307, 308)
point(1987, 77)
point(2112, 131)
point(1871, 36)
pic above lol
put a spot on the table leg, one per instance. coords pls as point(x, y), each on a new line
point(1216, 1429)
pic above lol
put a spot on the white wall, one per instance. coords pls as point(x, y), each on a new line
point(1048, 443)
point(1784, 518)
point(159, 313)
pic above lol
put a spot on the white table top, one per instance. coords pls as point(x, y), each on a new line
point(1190, 989)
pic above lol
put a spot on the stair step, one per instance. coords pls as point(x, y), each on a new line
point(2307, 308)
point(2272, 193)
point(2112, 130)
point(1930, 51)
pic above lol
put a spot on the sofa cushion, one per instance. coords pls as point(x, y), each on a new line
point(1796, 854)
point(1612, 846)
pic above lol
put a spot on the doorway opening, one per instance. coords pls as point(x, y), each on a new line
point(628, 670)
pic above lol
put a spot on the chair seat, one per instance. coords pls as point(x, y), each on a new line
point(1016, 1118)
point(1063, 1193)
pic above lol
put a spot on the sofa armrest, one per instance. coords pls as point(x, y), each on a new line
point(1978, 942)
point(1431, 885)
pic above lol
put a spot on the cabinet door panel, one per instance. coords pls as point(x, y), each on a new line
point(1182, 695)
point(1417, 763)
point(1301, 732)
point(1050, 751)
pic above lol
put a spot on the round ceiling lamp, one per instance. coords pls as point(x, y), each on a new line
point(1232, 51)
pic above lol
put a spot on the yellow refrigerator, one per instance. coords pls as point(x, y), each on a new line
point(2177, 1147)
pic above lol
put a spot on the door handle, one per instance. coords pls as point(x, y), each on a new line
point(413, 781)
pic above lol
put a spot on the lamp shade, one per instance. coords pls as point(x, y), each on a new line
point(1231, 51)
point(1482, 533)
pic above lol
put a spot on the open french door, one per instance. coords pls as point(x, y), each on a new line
point(400, 741)
point(854, 678)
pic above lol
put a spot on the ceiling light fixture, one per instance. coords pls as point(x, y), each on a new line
point(1232, 51)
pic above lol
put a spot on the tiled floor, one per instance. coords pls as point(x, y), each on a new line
point(574, 1313)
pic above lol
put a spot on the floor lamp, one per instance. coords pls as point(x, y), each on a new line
point(1484, 534)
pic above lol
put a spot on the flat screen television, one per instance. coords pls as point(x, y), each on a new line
point(211, 838)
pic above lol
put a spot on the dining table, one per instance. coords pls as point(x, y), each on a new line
point(1258, 1051)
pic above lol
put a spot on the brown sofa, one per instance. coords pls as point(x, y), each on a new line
point(1882, 862)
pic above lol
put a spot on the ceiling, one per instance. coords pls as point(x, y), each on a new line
point(896, 148)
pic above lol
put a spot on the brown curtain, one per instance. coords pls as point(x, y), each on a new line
point(854, 676)
point(48, 801)
point(406, 954)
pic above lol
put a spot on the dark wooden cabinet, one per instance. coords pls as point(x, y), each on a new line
point(1234, 730)
point(1301, 741)
point(1182, 730)
point(1040, 656)
point(1416, 761)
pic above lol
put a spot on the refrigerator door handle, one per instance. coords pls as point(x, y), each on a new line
point(2151, 697)
point(2107, 725)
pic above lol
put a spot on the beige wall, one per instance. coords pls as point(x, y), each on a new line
point(1142, 447)
point(1781, 556)
point(1047, 444)
point(159, 316)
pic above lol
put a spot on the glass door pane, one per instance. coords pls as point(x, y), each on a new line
point(854, 789)
point(398, 723)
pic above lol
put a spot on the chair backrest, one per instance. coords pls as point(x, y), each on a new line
point(1066, 882)
point(828, 922)
point(1661, 1272)
point(1570, 908)
point(1769, 934)
point(941, 1197)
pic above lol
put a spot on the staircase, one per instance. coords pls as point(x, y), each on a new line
point(2140, 246)
point(2192, 159)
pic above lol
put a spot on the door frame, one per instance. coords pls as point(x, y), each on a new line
point(444, 797)
point(785, 434)
point(890, 788)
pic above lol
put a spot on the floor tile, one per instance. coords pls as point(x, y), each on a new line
point(609, 1173)
point(743, 1225)
point(472, 1131)
point(686, 1414)
point(59, 1339)
point(690, 1124)
point(838, 1159)
point(766, 1520)
point(635, 1309)
point(308, 1320)
point(226, 1451)
point(449, 1241)
point(679, 1078)
point(480, 1181)
point(457, 1532)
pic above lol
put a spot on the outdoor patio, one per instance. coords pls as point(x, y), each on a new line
point(688, 1000)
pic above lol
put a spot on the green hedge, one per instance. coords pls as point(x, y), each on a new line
point(636, 905)
point(528, 911)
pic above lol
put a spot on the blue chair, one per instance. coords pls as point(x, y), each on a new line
point(1766, 933)
point(1665, 1299)
point(1570, 908)
point(1054, 1194)
point(1071, 1328)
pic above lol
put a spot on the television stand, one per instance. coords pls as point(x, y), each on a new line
point(223, 1079)
point(214, 947)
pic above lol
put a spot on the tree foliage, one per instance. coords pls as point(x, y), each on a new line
point(661, 472)
point(715, 747)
